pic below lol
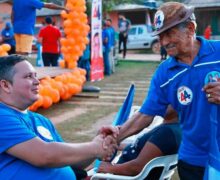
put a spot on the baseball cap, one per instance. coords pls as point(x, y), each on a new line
point(171, 14)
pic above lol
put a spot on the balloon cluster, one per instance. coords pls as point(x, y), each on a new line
point(76, 30)
point(62, 87)
point(4, 48)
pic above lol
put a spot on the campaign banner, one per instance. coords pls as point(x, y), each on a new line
point(97, 65)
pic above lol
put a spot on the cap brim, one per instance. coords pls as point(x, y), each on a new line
point(188, 14)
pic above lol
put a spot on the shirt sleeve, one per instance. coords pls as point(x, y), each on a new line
point(36, 4)
point(156, 101)
point(13, 131)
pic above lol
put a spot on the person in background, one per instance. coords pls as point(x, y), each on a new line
point(23, 20)
point(112, 40)
point(30, 146)
point(49, 36)
point(106, 37)
point(208, 32)
point(123, 26)
point(84, 60)
point(8, 37)
point(163, 53)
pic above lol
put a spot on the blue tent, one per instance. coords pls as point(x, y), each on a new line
point(121, 116)
point(213, 167)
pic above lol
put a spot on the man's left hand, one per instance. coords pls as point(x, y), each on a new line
point(212, 91)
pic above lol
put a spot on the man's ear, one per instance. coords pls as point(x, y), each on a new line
point(5, 86)
point(192, 27)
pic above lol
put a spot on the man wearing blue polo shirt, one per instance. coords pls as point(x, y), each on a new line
point(183, 81)
point(106, 36)
point(23, 19)
point(30, 146)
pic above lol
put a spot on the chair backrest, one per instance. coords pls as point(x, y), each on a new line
point(168, 163)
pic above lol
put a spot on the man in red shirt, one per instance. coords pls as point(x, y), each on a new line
point(208, 32)
point(49, 37)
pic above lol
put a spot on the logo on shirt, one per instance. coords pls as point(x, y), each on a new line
point(44, 132)
point(184, 95)
point(158, 20)
point(212, 76)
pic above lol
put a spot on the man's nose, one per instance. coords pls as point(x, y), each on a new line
point(36, 81)
point(164, 41)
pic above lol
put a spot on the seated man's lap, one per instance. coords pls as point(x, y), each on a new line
point(158, 136)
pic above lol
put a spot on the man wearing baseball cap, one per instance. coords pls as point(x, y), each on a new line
point(183, 81)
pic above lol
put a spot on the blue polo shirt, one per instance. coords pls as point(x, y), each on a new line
point(25, 15)
point(112, 35)
point(106, 34)
point(17, 127)
point(181, 86)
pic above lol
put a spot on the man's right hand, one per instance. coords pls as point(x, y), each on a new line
point(105, 146)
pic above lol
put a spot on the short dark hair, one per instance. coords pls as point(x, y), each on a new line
point(109, 20)
point(48, 20)
point(7, 64)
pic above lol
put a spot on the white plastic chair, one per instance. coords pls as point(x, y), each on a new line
point(168, 163)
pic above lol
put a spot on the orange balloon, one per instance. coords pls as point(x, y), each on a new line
point(75, 32)
point(55, 96)
point(73, 88)
point(46, 90)
point(83, 78)
point(64, 14)
point(78, 81)
point(76, 72)
point(71, 41)
point(66, 95)
point(47, 102)
point(6, 47)
point(59, 78)
point(3, 53)
point(82, 71)
point(72, 65)
point(69, 6)
point(63, 41)
point(73, 15)
point(67, 23)
point(39, 102)
point(32, 108)
point(86, 40)
point(76, 48)
point(76, 22)
point(62, 64)
point(68, 30)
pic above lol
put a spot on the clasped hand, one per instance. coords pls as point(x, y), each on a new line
point(107, 139)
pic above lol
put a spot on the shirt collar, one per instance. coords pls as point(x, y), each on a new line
point(205, 49)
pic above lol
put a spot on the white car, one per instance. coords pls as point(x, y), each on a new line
point(140, 38)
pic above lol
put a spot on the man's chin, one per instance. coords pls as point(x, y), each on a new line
point(171, 53)
point(35, 98)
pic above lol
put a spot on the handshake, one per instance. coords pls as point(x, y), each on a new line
point(106, 142)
